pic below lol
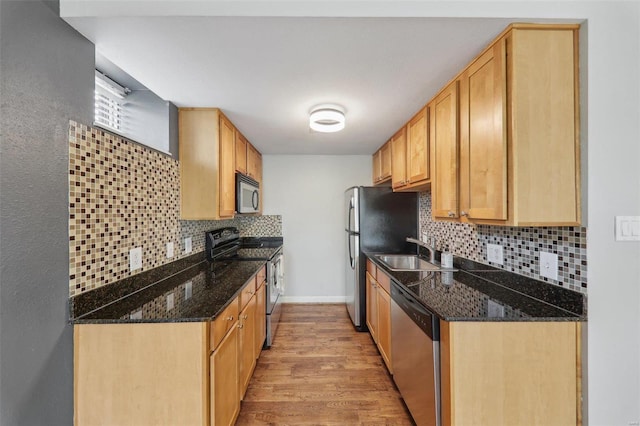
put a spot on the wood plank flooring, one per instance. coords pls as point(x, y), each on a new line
point(320, 371)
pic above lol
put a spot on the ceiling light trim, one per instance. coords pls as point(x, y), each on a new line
point(327, 118)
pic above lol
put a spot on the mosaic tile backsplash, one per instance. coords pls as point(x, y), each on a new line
point(123, 195)
point(521, 246)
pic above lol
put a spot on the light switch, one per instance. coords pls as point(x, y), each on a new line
point(170, 250)
point(627, 228)
point(549, 265)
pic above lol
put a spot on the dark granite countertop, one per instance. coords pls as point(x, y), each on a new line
point(198, 290)
point(480, 292)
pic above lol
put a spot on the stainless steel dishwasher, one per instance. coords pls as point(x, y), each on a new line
point(415, 345)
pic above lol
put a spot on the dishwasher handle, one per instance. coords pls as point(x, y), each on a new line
point(425, 319)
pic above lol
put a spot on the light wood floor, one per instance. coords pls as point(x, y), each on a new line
point(320, 371)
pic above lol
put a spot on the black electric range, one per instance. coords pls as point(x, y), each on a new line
point(224, 246)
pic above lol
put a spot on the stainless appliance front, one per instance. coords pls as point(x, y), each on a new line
point(275, 291)
point(352, 267)
point(247, 194)
point(416, 357)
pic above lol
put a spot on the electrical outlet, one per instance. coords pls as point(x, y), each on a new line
point(170, 250)
point(137, 315)
point(187, 245)
point(549, 265)
point(170, 301)
point(188, 290)
point(495, 254)
point(494, 309)
point(135, 259)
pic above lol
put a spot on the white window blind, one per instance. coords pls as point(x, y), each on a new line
point(110, 99)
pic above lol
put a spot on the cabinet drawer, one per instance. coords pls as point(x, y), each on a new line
point(384, 281)
point(261, 277)
point(247, 292)
point(371, 269)
point(223, 323)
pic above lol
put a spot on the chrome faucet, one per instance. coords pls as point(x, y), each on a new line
point(431, 246)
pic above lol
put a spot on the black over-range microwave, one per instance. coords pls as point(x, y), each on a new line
point(247, 194)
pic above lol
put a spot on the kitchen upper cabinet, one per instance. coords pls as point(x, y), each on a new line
point(410, 153)
point(418, 148)
point(444, 133)
point(382, 164)
point(207, 164)
point(241, 153)
point(517, 135)
point(254, 163)
point(399, 159)
point(510, 373)
point(483, 137)
point(248, 158)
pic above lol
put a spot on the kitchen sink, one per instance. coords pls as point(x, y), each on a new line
point(409, 262)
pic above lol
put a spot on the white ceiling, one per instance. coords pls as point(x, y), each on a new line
point(266, 73)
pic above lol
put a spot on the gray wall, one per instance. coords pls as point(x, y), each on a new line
point(46, 71)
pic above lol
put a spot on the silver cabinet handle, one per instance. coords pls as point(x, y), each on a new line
point(463, 213)
point(230, 318)
point(451, 214)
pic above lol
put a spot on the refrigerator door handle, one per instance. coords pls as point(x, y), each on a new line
point(349, 228)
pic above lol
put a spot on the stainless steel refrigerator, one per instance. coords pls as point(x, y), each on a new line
point(377, 221)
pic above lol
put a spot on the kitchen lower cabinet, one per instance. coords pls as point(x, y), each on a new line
point(141, 374)
point(247, 331)
point(225, 393)
point(180, 373)
point(379, 311)
point(510, 373)
point(372, 306)
point(261, 313)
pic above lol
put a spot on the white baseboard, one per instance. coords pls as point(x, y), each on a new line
point(314, 299)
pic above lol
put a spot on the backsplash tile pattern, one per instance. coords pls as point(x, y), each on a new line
point(521, 246)
point(123, 195)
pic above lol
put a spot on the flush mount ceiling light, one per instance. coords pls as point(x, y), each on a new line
point(327, 118)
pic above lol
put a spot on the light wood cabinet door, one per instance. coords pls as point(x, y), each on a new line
point(543, 87)
point(417, 148)
point(376, 167)
point(253, 162)
point(385, 161)
point(241, 153)
point(384, 325)
point(372, 306)
point(444, 111)
point(483, 137)
point(225, 394)
point(227, 169)
point(247, 327)
point(261, 318)
point(399, 159)
point(502, 373)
